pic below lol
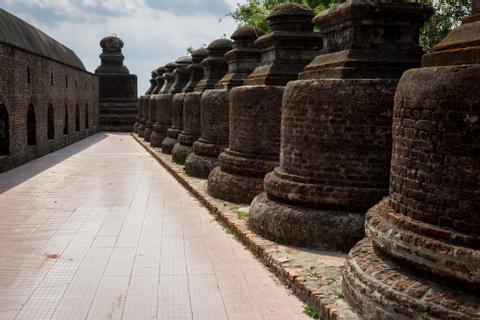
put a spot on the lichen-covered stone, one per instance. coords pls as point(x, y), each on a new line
point(274, 217)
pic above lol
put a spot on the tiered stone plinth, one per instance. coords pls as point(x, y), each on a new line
point(177, 123)
point(151, 112)
point(164, 119)
point(336, 127)
point(155, 98)
point(332, 168)
point(242, 60)
point(253, 148)
point(138, 120)
point(157, 78)
point(141, 100)
point(191, 127)
point(214, 123)
point(421, 258)
point(255, 108)
point(118, 102)
point(215, 69)
point(164, 115)
point(140, 115)
point(199, 162)
point(196, 73)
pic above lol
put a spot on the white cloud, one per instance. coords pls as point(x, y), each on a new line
point(152, 37)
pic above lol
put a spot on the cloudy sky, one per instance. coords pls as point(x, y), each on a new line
point(155, 32)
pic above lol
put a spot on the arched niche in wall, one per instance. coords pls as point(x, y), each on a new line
point(31, 126)
point(4, 131)
point(94, 115)
point(87, 122)
point(65, 120)
point(77, 117)
point(50, 122)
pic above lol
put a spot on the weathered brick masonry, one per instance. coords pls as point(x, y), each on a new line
point(421, 258)
point(336, 127)
point(213, 117)
point(192, 102)
point(47, 98)
point(181, 76)
point(165, 79)
point(141, 102)
point(159, 83)
point(242, 59)
point(197, 73)
point(255, 108)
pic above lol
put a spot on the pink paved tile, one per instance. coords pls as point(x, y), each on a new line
point(99, 230)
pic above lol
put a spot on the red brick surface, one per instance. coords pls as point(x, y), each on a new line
point(50, 83)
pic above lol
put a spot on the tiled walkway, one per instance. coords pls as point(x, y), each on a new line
point(100, 230)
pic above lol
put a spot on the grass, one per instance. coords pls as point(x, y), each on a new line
point(242, 214)
point(313, 273)
point(339, 294)
point(311, 311)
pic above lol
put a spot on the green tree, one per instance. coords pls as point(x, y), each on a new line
point(448, 15)
point(255, 12)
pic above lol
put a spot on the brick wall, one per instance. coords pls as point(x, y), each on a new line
point(28, 79)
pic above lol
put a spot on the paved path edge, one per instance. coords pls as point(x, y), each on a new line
point(326, 300)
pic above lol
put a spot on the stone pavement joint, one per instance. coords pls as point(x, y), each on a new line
point(106, 233)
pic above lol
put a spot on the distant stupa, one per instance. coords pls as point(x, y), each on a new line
point(117, 88)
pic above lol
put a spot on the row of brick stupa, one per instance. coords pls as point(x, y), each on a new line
point(299, 124)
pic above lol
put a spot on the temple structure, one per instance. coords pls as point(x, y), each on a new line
point(214, 113)
point(164, 86)
point(421, 257)
point(196, 73)
point(242, 60)
point(254, 141)
point(157, 77)
point(181, 77)
point(141, 102)
point(117, 88)
point(336, 126)
point(215, 68)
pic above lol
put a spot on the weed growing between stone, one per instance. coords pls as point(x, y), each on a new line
point(311, 311)
point(242, 214)
point(339, 294)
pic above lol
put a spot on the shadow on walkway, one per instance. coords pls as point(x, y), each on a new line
point(20, 174)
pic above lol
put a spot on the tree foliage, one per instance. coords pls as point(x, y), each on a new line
point(255, 12)
point(448, 15)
